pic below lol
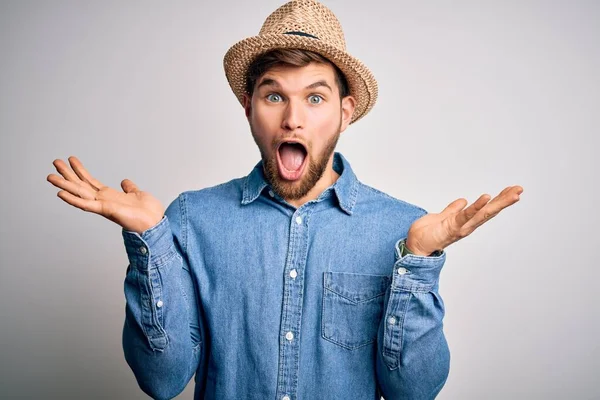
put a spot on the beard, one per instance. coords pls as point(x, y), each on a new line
point(317, 164)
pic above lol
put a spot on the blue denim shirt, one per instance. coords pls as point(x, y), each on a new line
point(262, 300)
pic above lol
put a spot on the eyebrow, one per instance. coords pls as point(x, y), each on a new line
point(319, 84)
point(274, 83)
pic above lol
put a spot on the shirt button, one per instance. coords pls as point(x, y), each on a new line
point(159, 303)
point(271, 193)
point(143, 250)
point(392, 320)
point(285, 398)
point(293, 274)
point(402, 271)
point(289, 336)
point(299, 220)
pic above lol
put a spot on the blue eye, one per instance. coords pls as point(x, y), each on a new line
point(315, 99)
point(274, 97)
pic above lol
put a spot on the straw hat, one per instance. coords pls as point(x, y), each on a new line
point(308, 25)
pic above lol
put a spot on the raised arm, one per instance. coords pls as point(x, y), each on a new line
point(162, 338)
point(413, 358)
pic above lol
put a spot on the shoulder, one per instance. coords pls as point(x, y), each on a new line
point(207, 203)
point(226, 191)
point(372, 198)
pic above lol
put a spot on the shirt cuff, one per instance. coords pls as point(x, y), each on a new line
point(415, 272)
point(152, 248)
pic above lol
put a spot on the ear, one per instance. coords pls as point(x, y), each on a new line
point(247, 102)
point(348, 104)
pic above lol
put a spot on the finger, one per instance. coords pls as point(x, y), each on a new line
point(493, 208)
point(481, 202)
point(515, 190)
point(507, 197)
point(83, 204)
point(65, 171)
point(506, 189)
point(128, 186)
point(469, 212)
point(83, 174)
point(454, 207)
point(74, 188)
point(507, 193)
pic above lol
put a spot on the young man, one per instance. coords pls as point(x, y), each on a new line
point(296, 281)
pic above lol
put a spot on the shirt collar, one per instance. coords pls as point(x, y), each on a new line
point(345, 188)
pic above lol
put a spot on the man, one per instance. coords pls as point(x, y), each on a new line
point(296, 281)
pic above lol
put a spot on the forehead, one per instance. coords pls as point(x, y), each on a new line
point(292, 76)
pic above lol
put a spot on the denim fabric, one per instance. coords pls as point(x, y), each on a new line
point(261, 300)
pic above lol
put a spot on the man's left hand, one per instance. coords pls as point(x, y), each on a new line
point(437, 231)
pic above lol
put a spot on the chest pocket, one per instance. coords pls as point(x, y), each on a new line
point(352, 308)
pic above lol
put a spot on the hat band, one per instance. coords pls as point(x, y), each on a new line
point(300, 34)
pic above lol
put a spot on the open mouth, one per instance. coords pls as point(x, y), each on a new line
point(291, 160)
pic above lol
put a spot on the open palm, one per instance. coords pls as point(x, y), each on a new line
point(132, 209)
point(437, 231)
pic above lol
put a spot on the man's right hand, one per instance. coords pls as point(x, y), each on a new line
point(133, 209)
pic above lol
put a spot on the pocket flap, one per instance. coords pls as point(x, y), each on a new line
point(356, 287)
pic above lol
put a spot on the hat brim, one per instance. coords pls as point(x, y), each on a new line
point(361, 82)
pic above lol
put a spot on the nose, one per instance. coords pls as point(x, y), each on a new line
point(293, 116)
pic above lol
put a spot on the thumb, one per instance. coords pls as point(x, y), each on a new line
point(128, 186)
point(455, 206)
